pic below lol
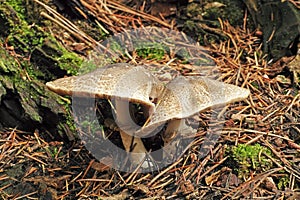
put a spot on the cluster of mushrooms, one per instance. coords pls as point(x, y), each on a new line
point(163, 102)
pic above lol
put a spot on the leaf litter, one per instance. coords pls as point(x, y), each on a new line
point(33, 166)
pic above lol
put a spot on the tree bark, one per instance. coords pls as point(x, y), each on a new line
point(29, 58)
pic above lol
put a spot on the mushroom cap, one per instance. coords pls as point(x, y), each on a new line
point(120, 81)
point(186, 96)
point(180, 98)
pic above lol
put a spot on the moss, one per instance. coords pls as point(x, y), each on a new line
point(32, 96)
point(7, 63)
point(66, 60)
point(249, 158)
point(19, 7)
point(184, 55)
point(151, 50)
point(88, 66)
point(40, 57)
point(70, 62)
point(31, 41)
point(22, 36)
point(233, 11)
point(29, 99)
point(255, 84)
point(283, 182)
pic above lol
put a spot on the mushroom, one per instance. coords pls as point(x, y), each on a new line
point(122, 83)
point(183, 97)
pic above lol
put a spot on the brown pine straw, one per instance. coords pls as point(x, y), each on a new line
point(270, 117)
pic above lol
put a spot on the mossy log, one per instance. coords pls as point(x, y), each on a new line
point(29, 58)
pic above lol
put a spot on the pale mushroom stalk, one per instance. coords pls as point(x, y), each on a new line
point(171, 130)
point(132, 144)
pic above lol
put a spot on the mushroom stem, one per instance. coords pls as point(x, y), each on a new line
point(172, 129)
point(126, 124)
point(175, 131)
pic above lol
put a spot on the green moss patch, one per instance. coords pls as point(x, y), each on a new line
point(249, 158)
